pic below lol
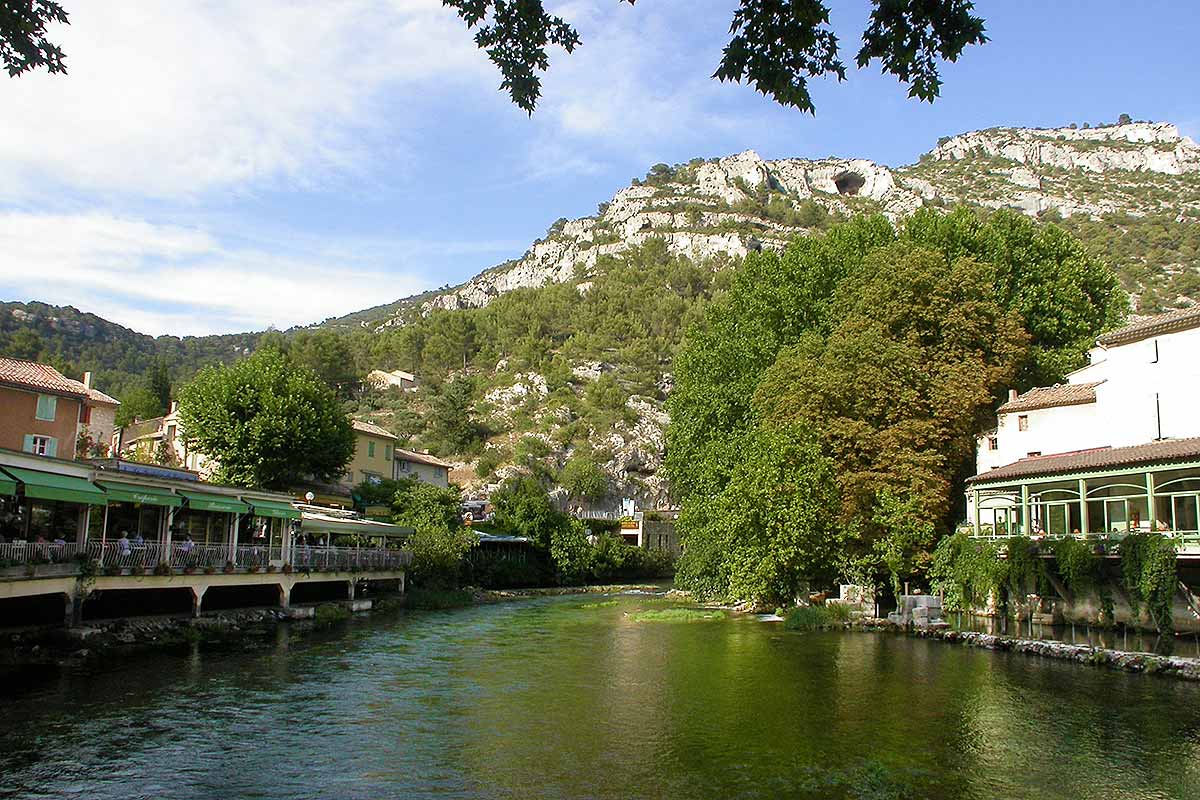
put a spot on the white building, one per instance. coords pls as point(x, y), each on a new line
point(1115, 448)
point(396, 379)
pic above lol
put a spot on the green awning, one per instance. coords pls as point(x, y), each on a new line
point(198, 501)
point(8, 484)
point(142, 495)
point(52, 486)
point(273, 508)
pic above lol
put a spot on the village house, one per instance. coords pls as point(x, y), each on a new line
point(377, 455)
point(159, 440)
point(396, 379)
point(45, 413)
point(1116, 448)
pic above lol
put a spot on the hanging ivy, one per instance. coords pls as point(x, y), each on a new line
point(1025, 567)
point(1149, 576)
point(1076, 563)
point(966, 571)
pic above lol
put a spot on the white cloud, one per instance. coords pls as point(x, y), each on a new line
point(184, 281)
point(170, 99)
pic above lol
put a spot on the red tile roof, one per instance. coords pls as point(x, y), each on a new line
point(1100, 458)
point(38, 377)
point(1061, 394)
point(1181, 319)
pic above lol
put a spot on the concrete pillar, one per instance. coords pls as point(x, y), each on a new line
point(81, 527)
point(285, 595)
point(1083, 508)
point(1025, 521)
point(975, 498)
point(197, 599)
point(167, 515)
point(72, 612)
point(232, 536)
point(1151, 515)
point(350, 590)
point(402, 577)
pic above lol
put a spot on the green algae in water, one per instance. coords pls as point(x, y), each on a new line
point(678, 615)
point(601, 604)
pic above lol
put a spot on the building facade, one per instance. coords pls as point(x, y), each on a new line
point(1115, 449)
point(159, 440)
point(45, 413)
point(378, 456)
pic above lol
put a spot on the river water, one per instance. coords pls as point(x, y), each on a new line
point(570, 698)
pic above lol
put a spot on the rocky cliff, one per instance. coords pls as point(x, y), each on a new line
point(730, 206)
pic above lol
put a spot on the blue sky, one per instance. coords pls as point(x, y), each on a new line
point(221, 166)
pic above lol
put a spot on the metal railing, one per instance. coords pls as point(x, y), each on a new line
point(20, 553)
point(117, 557)
point(1183, 539)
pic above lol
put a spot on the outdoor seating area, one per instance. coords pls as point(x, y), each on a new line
point(57, 515)
point(1098, 495)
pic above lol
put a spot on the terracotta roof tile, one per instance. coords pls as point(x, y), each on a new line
point(373, 430)
point(420, 458)
point(1061, 394)
point(40, 377)
point(1181, 319)
point(1099, 458)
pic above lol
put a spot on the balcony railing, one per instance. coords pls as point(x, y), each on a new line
point(117, 557)
point(1184, 540)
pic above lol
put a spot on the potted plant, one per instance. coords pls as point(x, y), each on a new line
point(229, 567)
point(189, 569)
point(163, 568)
point(287, 569)
point(252, 568)
point(112, 569)
point(270, 568)
point(137, 569)
point(209, 569)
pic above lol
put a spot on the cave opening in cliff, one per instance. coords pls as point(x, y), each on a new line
point(848, 182)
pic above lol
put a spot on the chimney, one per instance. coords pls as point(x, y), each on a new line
point(87, 380)
point(173, 407)
point(1012, 395)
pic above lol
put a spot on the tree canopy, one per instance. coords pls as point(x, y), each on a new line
point(23, 43)
point(838, 387)
point(267, 422)
point(776, 46)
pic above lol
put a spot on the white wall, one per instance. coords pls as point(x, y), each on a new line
point(1125, 412)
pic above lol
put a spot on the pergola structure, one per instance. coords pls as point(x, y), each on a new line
point(1104, 492)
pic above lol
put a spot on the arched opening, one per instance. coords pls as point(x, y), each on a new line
point(849, 182)
point(113, 603)
point(318, 591)
point(38, 609)
point(219, 598)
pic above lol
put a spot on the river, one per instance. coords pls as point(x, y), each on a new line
point(575, 698)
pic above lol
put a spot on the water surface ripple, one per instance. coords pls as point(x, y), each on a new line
point(551, 699)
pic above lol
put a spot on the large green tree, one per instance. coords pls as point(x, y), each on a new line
point(892, 347)
point(267, 422)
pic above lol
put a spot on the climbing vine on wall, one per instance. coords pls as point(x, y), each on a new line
point(1148, 575)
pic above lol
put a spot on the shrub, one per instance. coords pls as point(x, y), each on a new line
point(812, 618)
point(329, 613)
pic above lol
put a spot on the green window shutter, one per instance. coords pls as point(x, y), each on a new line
point(370, 449)
point(28, 446)
point(47, 405)
point(52, 447)
point(387, 452)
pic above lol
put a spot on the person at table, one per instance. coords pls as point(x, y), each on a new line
point(123, 547)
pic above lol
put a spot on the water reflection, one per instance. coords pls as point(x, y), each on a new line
point(1118, 638)
point(551, 699)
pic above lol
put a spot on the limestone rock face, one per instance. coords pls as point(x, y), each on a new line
point(1148, 146)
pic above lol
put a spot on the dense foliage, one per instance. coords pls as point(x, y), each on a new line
point(440, 541)
point(888, 347)
point(267, 422)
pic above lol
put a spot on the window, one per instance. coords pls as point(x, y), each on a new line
point(46, 406)
point(370, 449)
point(41, 445)
point(85, 415)
point(993, 443)
point(387, 452)
point(1023, 422)
point(402, 466)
